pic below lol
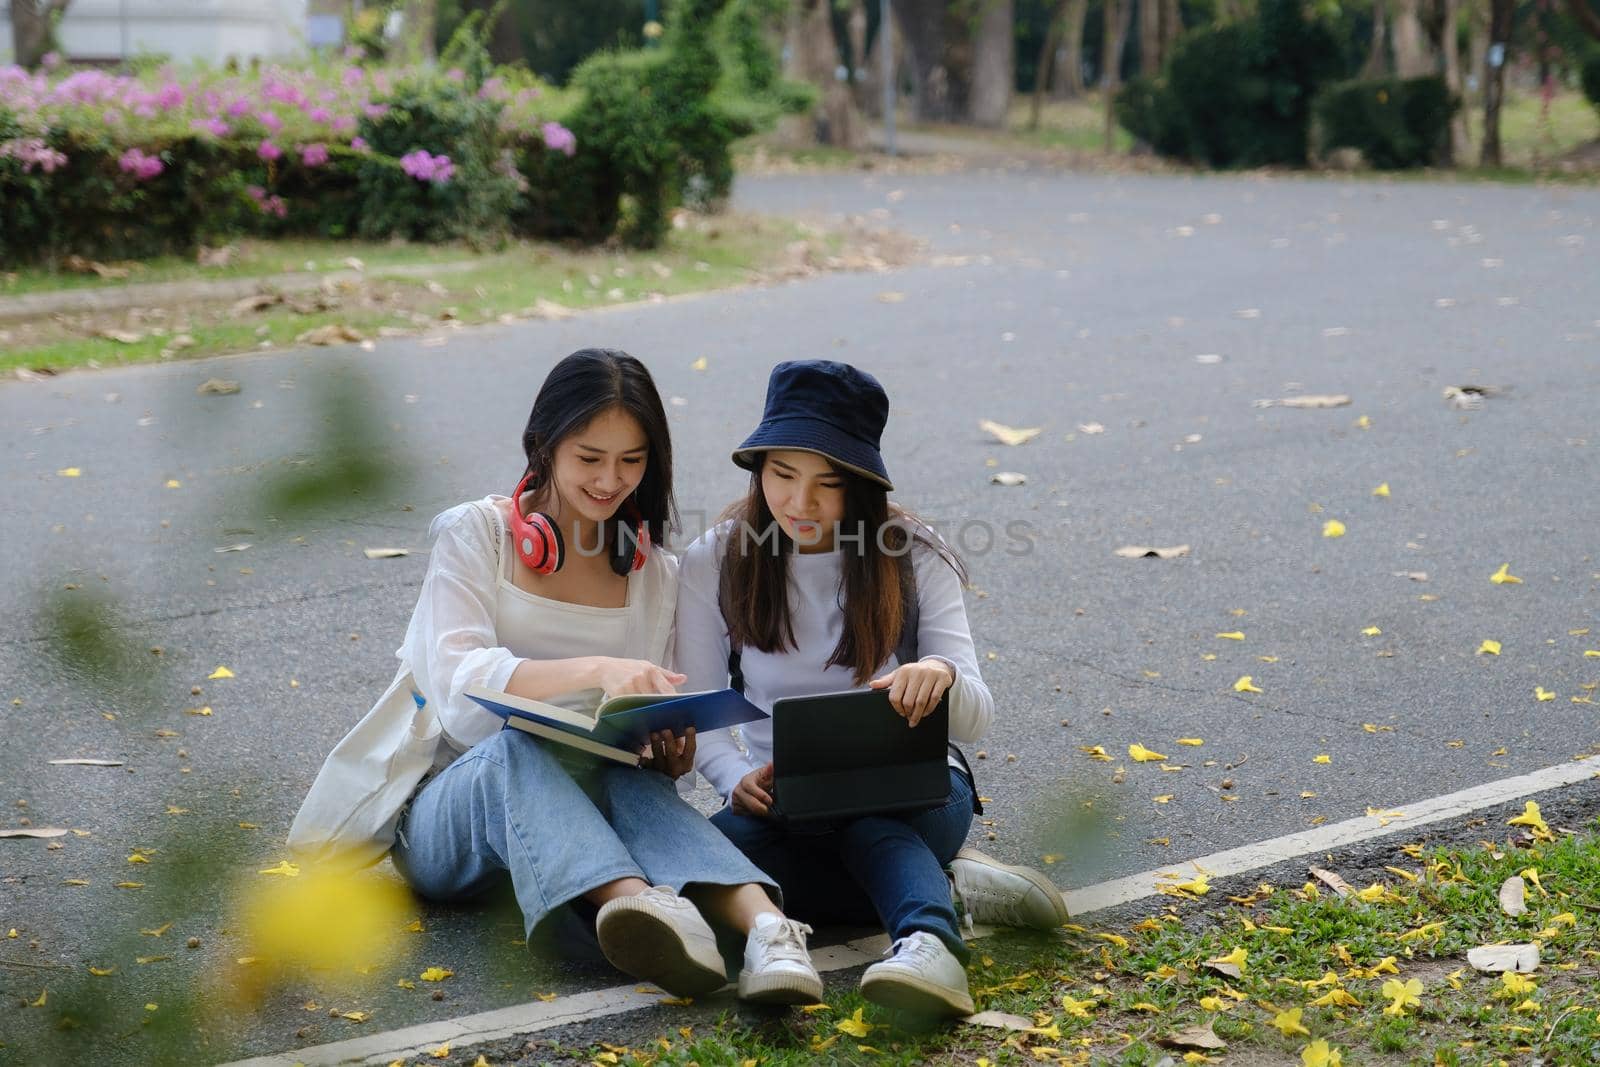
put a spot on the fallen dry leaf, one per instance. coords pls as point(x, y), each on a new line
point(1195, 1037)
point(385, 553)
point(1008, 478)
point(122, 337)
point(86, 763)
point(1499, 959)
point(1147, 552)
point(1312, 400)
point(999, 1020)
point(35, 831)
point(217, 387)
point(1332, 881)
point(1009, 435)
point(334, 333)
point(1514, 896)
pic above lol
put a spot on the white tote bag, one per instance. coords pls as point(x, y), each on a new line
point(349, 816)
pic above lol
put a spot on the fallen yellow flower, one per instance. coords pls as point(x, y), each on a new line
point(1333, 528)
point(1288, 1023)
point(1232, 635)
point(1139, 754)
point(1489, 647)
point(1402, 995)
point(1319, 1054)
point(855, 1026)
point(1501, 577)
point(1337, 997)
point(1246, 685)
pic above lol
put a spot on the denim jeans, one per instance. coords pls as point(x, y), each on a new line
point(884, 869)
point(508, 805)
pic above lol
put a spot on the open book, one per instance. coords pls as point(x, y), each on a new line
point(620, 727)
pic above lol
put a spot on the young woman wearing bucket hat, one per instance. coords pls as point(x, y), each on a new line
point(808, 587)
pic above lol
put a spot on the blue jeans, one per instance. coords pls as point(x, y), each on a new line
point(508, 805)
point(884, 869)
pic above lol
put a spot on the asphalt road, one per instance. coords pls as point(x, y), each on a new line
point(1068, 302)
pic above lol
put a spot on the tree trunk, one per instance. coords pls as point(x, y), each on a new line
point(1117, 16)
point(1070, 61)
point(994, 65)
point(33, 29)
point(1377, 64)
point(1452, 79)
point(1047, 54)
point(421, 20)
point(1149, 36)
point(939, 45)
point(814, 58)
point(1171, 26)
point(1585, 16)
point(1411, 59)
point(1501, 15)
point(505, 39)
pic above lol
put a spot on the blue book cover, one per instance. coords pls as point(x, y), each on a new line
point(625, 723)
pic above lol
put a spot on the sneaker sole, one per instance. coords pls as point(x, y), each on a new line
point(913, 995)
point(781, 988)
point(1032, 877)
point(638, 942)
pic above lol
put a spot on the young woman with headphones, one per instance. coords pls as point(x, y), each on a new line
point(800, 613)
point(556, 594)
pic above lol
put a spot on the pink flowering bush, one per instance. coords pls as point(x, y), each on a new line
point(113, 165)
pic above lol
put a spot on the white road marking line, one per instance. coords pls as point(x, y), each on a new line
point(522, 1019)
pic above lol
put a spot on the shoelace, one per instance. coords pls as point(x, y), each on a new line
point(788, 942)
point(919, 950)
point(663, 895)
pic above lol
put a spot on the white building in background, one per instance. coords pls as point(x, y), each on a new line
point(210, 31)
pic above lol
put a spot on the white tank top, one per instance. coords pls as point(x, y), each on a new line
point(536, 627)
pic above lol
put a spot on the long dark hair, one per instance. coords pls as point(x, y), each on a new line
point(754, 585)
point(582, 386)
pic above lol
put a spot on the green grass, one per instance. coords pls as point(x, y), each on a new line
point(1075, 125)
point(708, 254)
point(1529, 137)
point(1108, 996)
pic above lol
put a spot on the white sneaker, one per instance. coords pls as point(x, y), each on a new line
point(660, 937)
point(777, 967)
point(921, 976)
point(999, 894)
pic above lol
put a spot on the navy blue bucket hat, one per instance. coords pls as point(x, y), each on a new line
point(831, 409)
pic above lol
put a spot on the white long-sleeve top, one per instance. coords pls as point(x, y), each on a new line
point(473, 625)
point(818, 618)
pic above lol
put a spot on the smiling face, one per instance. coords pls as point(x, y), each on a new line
point(596, 467)
point(806, 495)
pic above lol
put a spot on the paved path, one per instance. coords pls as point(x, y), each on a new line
point(1049, 300)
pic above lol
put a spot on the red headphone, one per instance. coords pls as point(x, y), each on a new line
point(537, 537)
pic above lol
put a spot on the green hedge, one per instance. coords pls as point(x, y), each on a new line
point(1238, 94)
point(1591, 76)
point(1395, 122)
